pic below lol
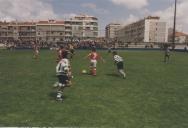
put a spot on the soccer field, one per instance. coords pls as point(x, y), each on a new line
point(154, 95)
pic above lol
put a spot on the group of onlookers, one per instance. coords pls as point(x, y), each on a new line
point(82, 44)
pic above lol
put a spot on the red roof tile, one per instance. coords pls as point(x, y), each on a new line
point(180, 34)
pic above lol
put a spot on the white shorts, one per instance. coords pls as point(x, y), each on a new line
point(93, 63)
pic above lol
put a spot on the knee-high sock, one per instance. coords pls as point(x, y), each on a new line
point(94, 71)
point(59, 94)
point(122, 73)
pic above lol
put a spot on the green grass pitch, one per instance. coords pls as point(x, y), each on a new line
point(154, 95)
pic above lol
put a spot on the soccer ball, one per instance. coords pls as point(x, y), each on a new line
point(84, 71)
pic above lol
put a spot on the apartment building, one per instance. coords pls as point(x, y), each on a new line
point(79, 27)
point(150, 29)
point(50, 30)
point(85, 26)
point(111, 30)
point(17, 31)
point(181, 37)
point(4, 31)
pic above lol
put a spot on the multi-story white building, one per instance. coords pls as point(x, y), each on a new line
point(4, 31)
point(111, 30)
point(81, 27)
point(84, 26)
point(150, 29)
point(17, 31)
point(50, 30)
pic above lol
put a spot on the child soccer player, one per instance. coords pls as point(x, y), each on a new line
point(109, 49)
point(64, 76)
point(36, 50)
point(71, 50)
point(62, 50)
point(167, 54)
point(60, 53)
point(94, 57)
point(119, 62)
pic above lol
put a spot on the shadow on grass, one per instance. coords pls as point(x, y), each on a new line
point(113, 75)
point(52, 95)
point(85, 74)
point(54, 76)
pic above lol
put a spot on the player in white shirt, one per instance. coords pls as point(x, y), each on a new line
point(119, 62)
point(63, 73)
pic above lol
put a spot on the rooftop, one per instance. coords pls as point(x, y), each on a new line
point(180, 34)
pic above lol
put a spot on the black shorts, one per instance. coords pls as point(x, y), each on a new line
point(63, 79)
point(120, 65)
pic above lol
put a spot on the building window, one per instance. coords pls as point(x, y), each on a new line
point(80, 28)
point(87, 28)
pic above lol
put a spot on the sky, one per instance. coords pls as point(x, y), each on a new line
point(107, 11)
